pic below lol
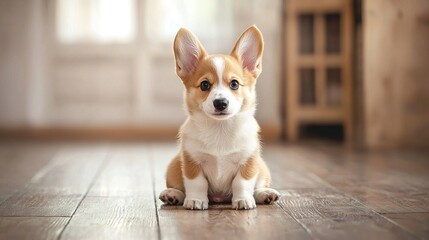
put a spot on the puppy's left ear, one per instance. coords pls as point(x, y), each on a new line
point(248, 50)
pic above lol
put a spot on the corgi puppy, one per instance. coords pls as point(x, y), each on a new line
point(220, 153)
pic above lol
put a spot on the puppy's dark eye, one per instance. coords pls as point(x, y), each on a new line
point(205, 85)
point(234, 84)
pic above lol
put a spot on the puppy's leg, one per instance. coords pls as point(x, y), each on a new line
point(196, 185)
point(174, 194)
point(243, 185)
point(263, 194)
point(242, 193)
point(196, 193)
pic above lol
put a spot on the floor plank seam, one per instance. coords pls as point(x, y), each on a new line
point(152, 173)
point(401, 212)
point(400, 226)
point(94, 179)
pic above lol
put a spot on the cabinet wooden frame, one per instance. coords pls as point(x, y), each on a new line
point(320, 60)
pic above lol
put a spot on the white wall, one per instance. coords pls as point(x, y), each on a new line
point(14, 62)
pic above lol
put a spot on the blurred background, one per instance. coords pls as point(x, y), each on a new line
point(351, 71)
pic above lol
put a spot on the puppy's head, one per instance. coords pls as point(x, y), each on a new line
point(220, 86)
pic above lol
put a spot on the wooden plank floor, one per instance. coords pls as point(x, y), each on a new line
point(110, 191)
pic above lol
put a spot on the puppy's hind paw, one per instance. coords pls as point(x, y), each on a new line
point(266, 195)
point(172, 196)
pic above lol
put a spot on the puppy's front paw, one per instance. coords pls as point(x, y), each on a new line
point(266, 195)
point(172, 196)
point(243, 202)
point(196, 204)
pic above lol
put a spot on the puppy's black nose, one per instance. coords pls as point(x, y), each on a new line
point(220, 104)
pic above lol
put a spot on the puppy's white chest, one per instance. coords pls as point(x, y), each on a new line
point(220, 171)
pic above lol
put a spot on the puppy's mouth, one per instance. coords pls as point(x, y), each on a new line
point(220, 115)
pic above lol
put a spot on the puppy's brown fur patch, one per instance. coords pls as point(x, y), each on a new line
point(255, 165)
point(250, 168)
point(174, 174)
point(190, 168)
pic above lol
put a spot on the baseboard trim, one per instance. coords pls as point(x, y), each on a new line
point(268, 133)
point(84, 133)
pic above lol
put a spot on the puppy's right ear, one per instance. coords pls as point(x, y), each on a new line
point(188, 51)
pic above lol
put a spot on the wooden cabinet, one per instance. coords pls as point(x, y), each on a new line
point(318, 64)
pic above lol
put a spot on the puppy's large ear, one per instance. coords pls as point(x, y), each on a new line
point(188, 51)
point(248, 50)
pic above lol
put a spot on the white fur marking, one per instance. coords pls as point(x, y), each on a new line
point(219, 64)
